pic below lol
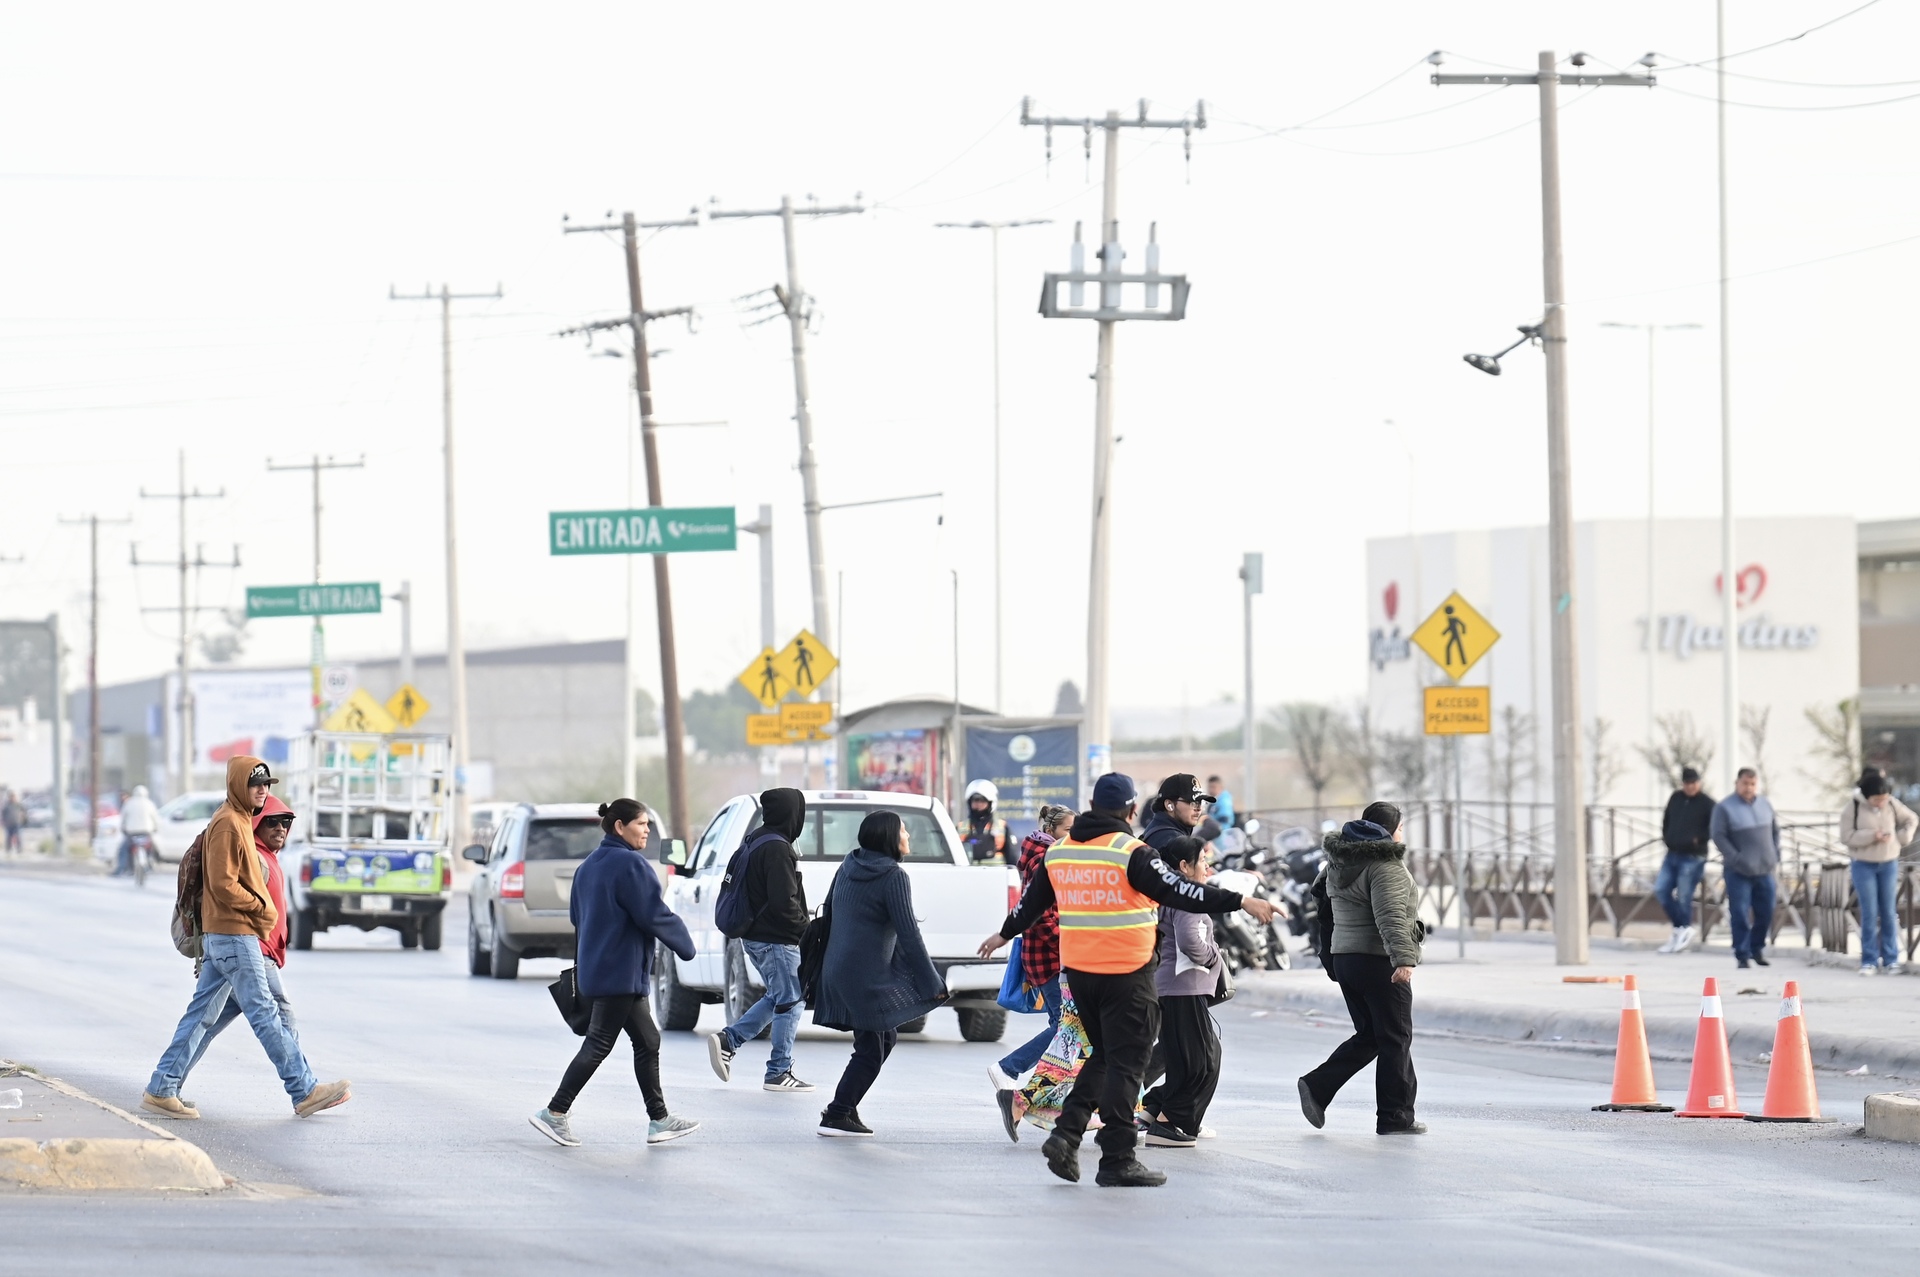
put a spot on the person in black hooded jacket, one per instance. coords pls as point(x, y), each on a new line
point(778, 898)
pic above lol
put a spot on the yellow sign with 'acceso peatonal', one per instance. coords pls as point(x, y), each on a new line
point(1459, 711)
point(1455, 636)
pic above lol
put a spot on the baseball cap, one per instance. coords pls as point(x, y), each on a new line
point(1113, 791)
point(1181, 787)
point(261, 776)
point(1688, 775)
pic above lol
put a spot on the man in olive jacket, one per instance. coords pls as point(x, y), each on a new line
point(236, 915)
point(1376, 945)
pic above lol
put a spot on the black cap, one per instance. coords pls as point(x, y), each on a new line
point(261, 776)
point(1181, 787)
point(1689, 775)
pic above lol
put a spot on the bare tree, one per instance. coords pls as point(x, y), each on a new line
point(1407, 763)
point(1679, 744)
point(225, 645)
point(1604, 764)
point(1359, 748)
point(1512, 758)
point(1836, 748)
point(1312, 729)
point(1753, 734)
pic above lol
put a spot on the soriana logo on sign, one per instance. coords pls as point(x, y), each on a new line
point(1680, 634)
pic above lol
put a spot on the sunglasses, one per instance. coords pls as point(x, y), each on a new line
point(278, 822)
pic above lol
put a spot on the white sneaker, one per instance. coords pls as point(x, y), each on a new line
point(999, 1078)
point(1892, 968)
point(1208, 1133)
point(664, 1129)
point(1687, 935)
point(1868, 971)
point(719, 1057)
point(1673, 942)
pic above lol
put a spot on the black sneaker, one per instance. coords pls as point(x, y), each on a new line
point(848, 1127)
point(1743, 963)
point(1063, 1159)
point(1315, 1111)
point(1166, 1135)
point(1761, 959)
point(1411, 1128)
point(1008, 1118)
point(1130, 1174)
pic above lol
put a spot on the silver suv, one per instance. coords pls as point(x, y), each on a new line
point(517, 905)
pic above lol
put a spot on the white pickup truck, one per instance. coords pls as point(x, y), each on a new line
point(956, 903)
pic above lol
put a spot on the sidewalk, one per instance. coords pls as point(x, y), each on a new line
point(62, 1138)
point(1510, 988)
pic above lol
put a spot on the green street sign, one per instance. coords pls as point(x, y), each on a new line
point(312, 600)
point(657, 530)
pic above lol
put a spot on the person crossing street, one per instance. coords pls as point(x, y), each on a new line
point(777, 897)
point(1106, 884)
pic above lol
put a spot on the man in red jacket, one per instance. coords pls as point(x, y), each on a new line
point(271, 826)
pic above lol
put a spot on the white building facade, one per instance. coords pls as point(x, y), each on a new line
point(1798, 635)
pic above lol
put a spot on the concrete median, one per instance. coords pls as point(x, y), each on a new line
point(59, 1137)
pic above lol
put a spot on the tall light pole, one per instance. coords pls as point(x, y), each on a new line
point(1570, 921)
point(1252, 577)
point(318, 654)
point(999, 590)
point(1652, 331)
point(456, 644)
point(1729, 582)
point(1111, 279)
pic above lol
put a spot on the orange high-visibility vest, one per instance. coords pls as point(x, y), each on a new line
point(1105, 925)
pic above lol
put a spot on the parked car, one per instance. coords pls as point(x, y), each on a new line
point(517, 904)
point(956, 901)
point(181, 821)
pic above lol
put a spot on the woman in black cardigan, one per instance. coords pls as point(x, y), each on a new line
point(877, 975)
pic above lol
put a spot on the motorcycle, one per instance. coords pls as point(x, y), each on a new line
point(140, 852)
point(1298, 861)
point(1250, 945)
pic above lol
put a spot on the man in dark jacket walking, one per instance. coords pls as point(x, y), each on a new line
point(1106, 884)
point(778, 900)
point(1684, 828)
point(1747, 832)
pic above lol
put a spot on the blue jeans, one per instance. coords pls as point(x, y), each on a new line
point(1674, 888)
point(779, 966)
point(1750, 894)
point(1025, 1056)
point(1878, 887)
point(213, 996)
point(238, 962)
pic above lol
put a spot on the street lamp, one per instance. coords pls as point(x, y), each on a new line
point(1490, 364)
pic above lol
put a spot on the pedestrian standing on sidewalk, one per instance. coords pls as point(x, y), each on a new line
point(1376, 945)
point(1175, 811)
point(271, 825)
point(619, 915)
point(877, 974)
point(1875, 825)
point(1106, 884)
point(12, 816)
point(1685, 828)
point(1039, 958)
point(238, 916)
point(1186, 980)
point(1748, 835)
point(778, 900)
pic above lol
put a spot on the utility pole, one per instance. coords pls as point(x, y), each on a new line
point(1253, 578)
point(456, 645)
point(762, 527)
point(1729, 581)
point(93, 522)
point(1570, 921)
point(319, 654)
point(1098, 729)
point(999, 589)
point(183, 704)
point(636, 319)
point(59, 707)
point(404, 597)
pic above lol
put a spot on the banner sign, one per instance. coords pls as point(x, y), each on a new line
point(1029, 766)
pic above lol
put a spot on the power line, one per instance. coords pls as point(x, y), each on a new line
point(1772, 44)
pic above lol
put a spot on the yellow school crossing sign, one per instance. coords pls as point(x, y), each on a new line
point(361, 713)
point(764, 678)
point(1455, 636)
point(805, 662)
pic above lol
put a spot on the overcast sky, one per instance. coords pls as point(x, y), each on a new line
point(204, 209)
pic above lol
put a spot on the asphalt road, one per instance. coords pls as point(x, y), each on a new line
point(433, 1168)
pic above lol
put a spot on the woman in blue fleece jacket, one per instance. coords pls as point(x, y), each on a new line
point(619, 913)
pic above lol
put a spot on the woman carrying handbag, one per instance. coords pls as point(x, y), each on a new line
point(1192, 976)
point(1039, 956)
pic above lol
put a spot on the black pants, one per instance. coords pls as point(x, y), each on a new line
point(1121, 1017)
point(1382, 1014)
point(610, 1015)
point(1189, 1051)
point(870, 1051)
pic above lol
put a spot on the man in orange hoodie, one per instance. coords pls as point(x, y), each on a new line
point(238, 917)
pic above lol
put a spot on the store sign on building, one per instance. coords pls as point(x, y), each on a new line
point(1384, 645)
point(1679, 633)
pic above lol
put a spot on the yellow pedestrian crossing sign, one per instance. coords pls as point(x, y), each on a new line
point(806, 663)
point(361, 713)
point(765, 679)
point(408, 706)
point(1455, 636)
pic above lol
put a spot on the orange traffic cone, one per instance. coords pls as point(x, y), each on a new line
point(1633, 1089)
point(1790, 1092)
point(1710, 1089)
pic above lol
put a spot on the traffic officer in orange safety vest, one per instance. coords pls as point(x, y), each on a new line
point(1106, 884)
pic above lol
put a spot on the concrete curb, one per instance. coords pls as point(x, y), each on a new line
point(152, 1158)
point(1668, 1035)
point(1894, 1115)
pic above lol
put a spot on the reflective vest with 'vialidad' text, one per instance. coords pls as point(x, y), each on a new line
point(1105, 925)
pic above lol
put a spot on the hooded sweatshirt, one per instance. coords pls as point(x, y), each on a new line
point(1375, 902)
point(775, 892)
point(273, 946)
point(235, 901)
point(1861, 823)
point(1747, 834)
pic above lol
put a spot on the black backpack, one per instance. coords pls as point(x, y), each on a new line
point(731, 912)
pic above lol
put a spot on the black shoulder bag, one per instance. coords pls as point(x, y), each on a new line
point(574, 1009)
point(813, 949)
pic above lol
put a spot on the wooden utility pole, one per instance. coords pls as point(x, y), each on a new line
point(93, 522)
point(319, 653)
